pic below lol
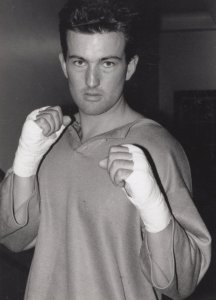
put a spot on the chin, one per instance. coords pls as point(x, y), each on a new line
point(93, 112)
point(93, 108)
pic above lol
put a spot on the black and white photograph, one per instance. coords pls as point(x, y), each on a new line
point(107, 150)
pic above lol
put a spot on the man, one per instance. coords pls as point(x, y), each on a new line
point(105, 199)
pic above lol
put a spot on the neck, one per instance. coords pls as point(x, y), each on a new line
point(117, 116)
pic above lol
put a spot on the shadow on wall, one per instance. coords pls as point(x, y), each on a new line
point(2, 174)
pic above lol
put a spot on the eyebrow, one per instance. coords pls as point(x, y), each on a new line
point(102, 59)
point(111, 57)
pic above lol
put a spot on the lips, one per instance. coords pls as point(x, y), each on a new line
point(92, 96)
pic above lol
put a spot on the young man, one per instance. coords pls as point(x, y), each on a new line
point(105, 199)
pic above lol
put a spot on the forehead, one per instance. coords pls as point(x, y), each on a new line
point(96, 45)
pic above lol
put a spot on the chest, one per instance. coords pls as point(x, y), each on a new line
point(75, 187)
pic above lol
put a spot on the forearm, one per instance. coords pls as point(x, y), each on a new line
point(22, 191)
point(160, 249)
point(177, 272)
point(17, 231)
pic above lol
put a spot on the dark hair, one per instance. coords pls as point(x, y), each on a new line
point(93, 16)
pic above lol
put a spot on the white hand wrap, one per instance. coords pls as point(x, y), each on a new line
point(142, 190)
point(32, 146)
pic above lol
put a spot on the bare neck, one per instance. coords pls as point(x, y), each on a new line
point(117, 116)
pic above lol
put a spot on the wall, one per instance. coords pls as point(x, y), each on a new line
point(187, 62)
point(30, 74)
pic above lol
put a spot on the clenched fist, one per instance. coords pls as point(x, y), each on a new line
point(129, 168)
point(50, 120)
point(40, 130)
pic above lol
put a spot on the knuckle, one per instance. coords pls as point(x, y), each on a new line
point(43, 124)
point(58, 111)
point(112, 149)
point(41, 121)
point(58, 108)
point(55, 114)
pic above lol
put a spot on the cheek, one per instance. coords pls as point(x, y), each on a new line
point(120, 76)
point(116, 81)
point(75, 86)
point(75, 79)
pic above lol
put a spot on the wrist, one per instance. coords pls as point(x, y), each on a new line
point(30, 150)
point(155, 215)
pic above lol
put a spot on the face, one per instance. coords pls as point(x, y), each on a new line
point(96, 70)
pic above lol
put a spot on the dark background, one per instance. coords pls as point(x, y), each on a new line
point(175, 84)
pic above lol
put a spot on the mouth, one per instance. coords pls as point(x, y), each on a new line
point(93, 97)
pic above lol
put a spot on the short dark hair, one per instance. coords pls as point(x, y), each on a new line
point(98, 16)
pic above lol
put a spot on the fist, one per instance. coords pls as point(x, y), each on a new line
point(129, 168)
point(40, 130)
point(50, 120)
point(119, 164)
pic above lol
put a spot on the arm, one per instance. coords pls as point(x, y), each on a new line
point(173, 259)
point(160, 249)
point(189, 253)
point(128, 167)
point(19, 193)
point(22, 191)
point(41, 129)
point(17, 233)
point(189, 250)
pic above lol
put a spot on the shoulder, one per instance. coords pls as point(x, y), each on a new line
point(153, 135)
point(162, 148)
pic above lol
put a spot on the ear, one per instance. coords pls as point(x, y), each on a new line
point(63, 64)
point(131, 67)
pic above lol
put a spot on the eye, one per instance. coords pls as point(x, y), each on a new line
point(79, 63)
point(108, 64)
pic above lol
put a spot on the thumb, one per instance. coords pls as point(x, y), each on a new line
point(66, 120)
point(103, 163)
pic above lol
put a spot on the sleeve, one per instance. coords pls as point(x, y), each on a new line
point(191, 242)
point(15, 236)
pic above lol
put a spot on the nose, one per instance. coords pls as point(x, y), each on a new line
point(92, 77)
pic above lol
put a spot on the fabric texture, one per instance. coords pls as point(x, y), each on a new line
point(91, 241)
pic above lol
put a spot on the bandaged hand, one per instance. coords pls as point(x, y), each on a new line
point(40, 130)
point(129, 168)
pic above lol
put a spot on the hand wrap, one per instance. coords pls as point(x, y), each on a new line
point(142, 190)
point(32, 146)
